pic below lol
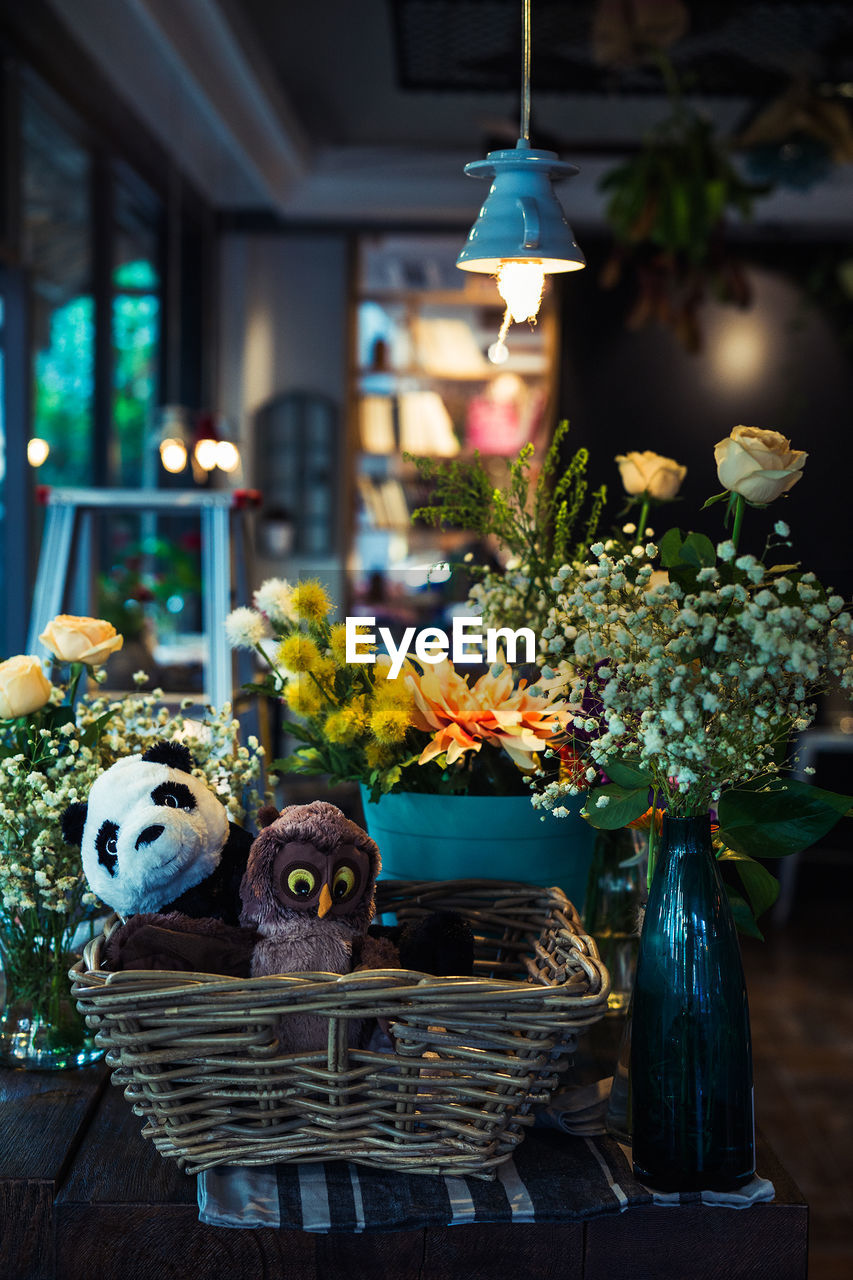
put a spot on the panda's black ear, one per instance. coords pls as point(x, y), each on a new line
point(173, 754)
point(73, 821)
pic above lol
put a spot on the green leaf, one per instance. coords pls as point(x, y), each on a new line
point(718, 497)
point(697, 550)
point(628, 773)
point(743, 917)
point(670, 548)
point(686, 577)
point(391, 777)
point(55, 717)
point(92, 733)
point(302, 761)
point(783, 818)
point(761, 885)
point(301, 731)
point(623, 806)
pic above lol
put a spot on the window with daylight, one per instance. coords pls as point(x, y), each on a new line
point(136, 327)
point(57, 240)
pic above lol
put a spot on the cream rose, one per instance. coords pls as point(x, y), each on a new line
point(23, 686)
point(89, 640)
point(650, 473)
point(759, 465)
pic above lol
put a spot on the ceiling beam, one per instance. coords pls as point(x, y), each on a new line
point(193, 84)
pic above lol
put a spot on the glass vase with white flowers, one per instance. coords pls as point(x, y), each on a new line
point(54, 743)
point(689, 690)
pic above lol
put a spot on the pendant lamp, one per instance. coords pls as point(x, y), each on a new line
point(521, 233)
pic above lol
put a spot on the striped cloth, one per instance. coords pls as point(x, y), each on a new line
point(551, 1178)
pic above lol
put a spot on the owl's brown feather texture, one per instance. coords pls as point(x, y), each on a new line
point(303, 928)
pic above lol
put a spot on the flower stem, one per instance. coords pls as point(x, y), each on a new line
point(76, 673)
point(653, 832)
point(740, 504)
point(644, 518)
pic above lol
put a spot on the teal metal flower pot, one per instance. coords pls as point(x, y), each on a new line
point(440, 837)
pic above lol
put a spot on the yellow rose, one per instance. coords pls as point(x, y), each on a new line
point(759, 465)
point(23, 686)
point(89, 640)
point(650, 473)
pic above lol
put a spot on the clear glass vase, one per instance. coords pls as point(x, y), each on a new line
point(40, 1027)
point(616, 890)
point(691, 1055)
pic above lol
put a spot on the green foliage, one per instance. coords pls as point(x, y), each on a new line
point(543, 525)
point(783, 817)
point(142, 578)
point(762, 813)
point(63, 391)
point(676, 190)
point(666, 207)
point(624, 805)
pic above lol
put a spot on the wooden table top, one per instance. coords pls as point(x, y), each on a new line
point(84, 1197)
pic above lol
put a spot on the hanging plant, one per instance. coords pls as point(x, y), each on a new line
point(797, 139)
point(666, 207)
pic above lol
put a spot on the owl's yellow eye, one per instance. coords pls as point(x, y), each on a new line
point(301, 882)
point(343, 883)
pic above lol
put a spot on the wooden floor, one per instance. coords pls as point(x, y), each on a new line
point(800, 983)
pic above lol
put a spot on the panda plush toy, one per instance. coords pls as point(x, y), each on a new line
point(154, 838)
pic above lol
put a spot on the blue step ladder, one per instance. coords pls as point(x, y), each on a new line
point(224, 551)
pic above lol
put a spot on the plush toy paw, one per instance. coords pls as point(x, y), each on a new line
point(178, 942)
point(440, 943)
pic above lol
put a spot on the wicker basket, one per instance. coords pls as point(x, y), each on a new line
point(198, 1057)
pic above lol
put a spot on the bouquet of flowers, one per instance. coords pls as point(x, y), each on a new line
point(53, 745)
point(423, 727)
point(540, 522)
point(694, 666)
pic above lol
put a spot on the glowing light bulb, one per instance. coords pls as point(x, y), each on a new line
point(227, 456)
point(205, 453)
point(173, 455)
point(498, 353)
point(37, 451)
point(520, 284)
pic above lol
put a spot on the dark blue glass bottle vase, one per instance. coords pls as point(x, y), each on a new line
point(691, 1055)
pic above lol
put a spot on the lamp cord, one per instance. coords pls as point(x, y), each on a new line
point(525, 70)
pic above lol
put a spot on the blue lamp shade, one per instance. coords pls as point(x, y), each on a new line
point(521, 219)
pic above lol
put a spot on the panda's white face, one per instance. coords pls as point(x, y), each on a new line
point(151, 833)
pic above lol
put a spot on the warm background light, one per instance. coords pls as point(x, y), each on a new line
point(206, 453)
point(37, 451)
point(738, 350)
point(173, 455)
point(227, 456)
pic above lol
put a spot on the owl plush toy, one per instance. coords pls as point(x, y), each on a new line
point(309, 892)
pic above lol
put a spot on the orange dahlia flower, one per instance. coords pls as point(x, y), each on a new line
point(462, 717)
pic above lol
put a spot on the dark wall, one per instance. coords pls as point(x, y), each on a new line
point(781, 364)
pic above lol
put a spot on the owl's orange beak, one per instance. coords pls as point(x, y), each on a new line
point(325, 901)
